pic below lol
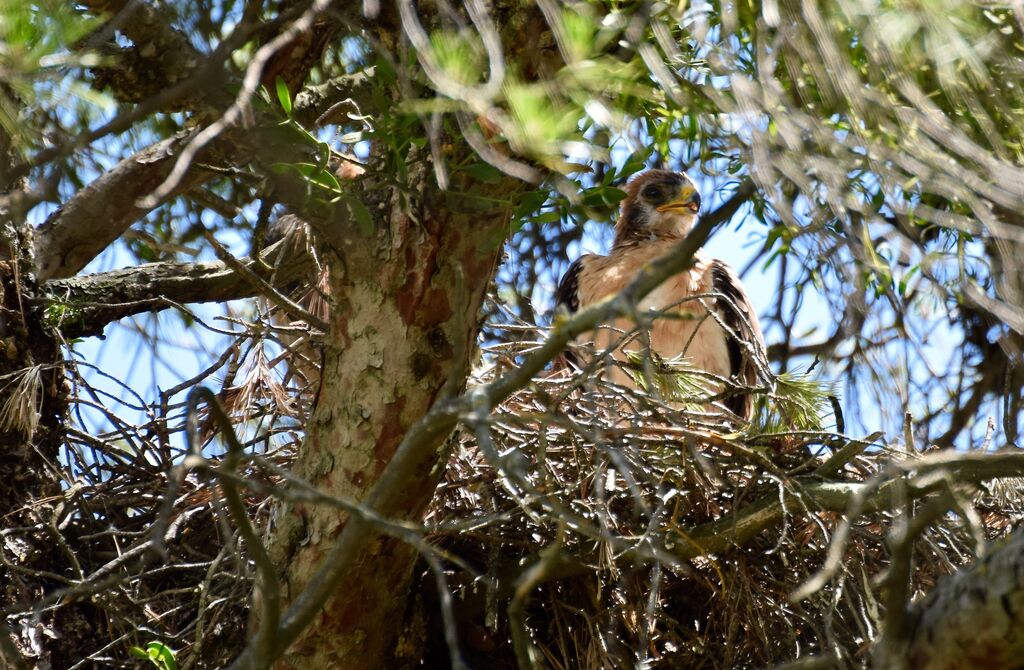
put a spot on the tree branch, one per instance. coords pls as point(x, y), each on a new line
point(85, 305)
point(314, 101)
point(971, 619)
point(740, 527)
point(99, 213)
point(417, 453)
point(147, 26)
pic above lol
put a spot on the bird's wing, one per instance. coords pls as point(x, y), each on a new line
point(567, 297)
point(744, 341)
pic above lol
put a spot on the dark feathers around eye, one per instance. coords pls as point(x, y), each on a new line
point(654, 192)
point(661, 187)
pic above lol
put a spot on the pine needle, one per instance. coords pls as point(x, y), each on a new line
point(674, 380)
point(797, 402)
point(21, 409)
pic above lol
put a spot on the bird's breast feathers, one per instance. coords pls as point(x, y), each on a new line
point(681, 325)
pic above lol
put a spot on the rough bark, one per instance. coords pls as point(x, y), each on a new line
point(24, 344)
point(402, 333)
point(973, 619)
point(82, 228)
point(360, 577)
point(100, 213)
point(406, 312)
point(31, 411)
point(160, 56)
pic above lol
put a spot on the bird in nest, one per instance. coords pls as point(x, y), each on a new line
point(701, 317)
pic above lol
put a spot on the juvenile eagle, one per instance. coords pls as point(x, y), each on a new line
point(659, 210)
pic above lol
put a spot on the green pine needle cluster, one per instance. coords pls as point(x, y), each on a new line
point(673, 380)
point(793, 400)
point(797, 402)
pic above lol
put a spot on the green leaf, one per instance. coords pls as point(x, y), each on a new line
point(145, 252)
point(530, 201)
point(580, 30)
point(484, 172)
point(798, 402)
point(157, 653)
point(283, 96)
point(456, 56)
point(602, 196)
point(164, 654)
point(383, 70)
point(905, 281)
point(324, 151)
point(361, 215)
point(636, 162)
point(552, 216)
point(540, 119)
point(315, 175)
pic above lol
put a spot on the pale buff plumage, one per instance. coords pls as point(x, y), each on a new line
point(683, 329)
point(693, 305)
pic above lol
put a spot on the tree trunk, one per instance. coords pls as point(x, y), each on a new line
point(405, 317)
point(972, 619)
point(32, 402)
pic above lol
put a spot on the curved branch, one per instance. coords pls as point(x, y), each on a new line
point(267, 580)
point(741, 527)
point(100, 213)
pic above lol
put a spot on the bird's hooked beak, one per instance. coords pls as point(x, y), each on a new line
point(688, 198)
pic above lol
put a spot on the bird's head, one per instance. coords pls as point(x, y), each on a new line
point(659, 203)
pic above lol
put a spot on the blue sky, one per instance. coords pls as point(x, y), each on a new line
point(183, 352)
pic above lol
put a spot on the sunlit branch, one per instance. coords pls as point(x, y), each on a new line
point(84, 305)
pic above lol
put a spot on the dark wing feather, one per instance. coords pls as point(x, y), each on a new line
point(567, 297)
point(744, 338)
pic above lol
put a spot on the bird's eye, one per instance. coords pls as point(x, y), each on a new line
point(653, 192)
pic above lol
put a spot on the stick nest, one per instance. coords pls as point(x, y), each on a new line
point(579, 525)
point(589, 526)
